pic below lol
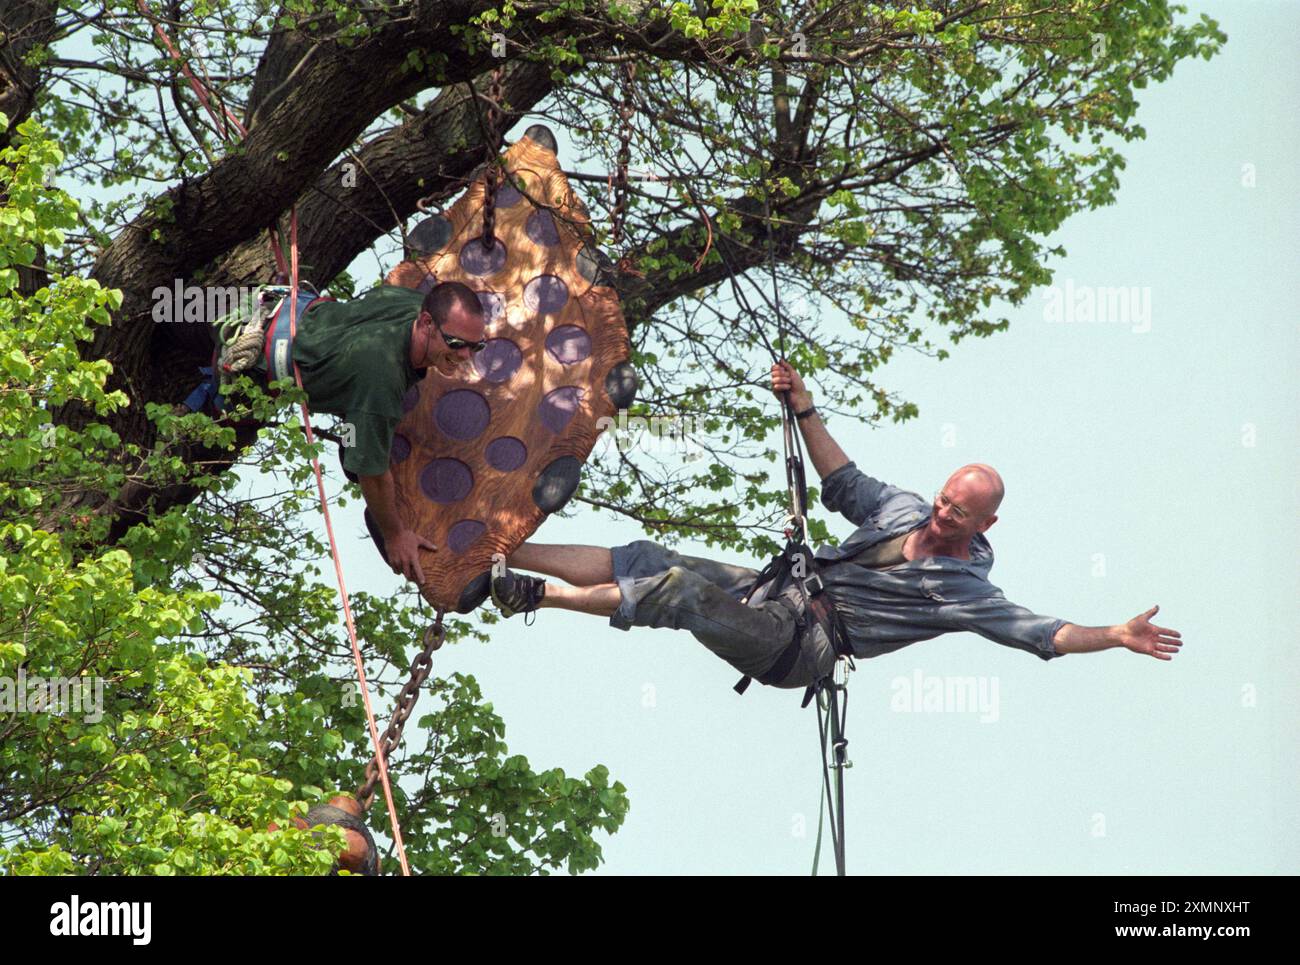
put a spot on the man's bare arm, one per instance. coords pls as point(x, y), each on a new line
point(382, 500)
point(1139, 635)
point(401, 545)
point(825, 452)
point(1072, 638)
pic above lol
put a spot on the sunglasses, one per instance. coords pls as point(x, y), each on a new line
point(456, 344)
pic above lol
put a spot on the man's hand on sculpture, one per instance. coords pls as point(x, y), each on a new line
point(1142, 636)
point(403, 551)
point(786, 379)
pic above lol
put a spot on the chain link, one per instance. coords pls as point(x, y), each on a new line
point(392, 739)
point(492, 174)
point(619, 215)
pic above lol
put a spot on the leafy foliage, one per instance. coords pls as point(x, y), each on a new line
point(832, 182)
point(209, 724)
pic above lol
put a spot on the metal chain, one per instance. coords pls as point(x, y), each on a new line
point(492, 174)
point(619, 215)
point(392, 739)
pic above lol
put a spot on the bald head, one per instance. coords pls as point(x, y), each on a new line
point(976, 487)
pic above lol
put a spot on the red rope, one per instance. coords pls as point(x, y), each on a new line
point(334, 553)
point(292, 272)
point(199, 91)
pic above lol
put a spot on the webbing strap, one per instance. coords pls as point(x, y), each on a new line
point(280, 335)
point(778, 573)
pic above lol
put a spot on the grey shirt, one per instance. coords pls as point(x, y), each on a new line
point(886, 609)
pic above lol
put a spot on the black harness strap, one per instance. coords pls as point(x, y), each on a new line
point(818, 609)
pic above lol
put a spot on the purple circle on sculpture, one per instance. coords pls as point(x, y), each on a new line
point(507, 196)
point(462, 534)
point(427, 283)
point(505, 453)
point(546, 294)
point(446, 480)
point(411, 398)
point(400, 449)
point(568, 344)
point(559, 406)
point(494, 306)
point(499, 360)
point(462, 414)
point(541, 229)
point(477, 261)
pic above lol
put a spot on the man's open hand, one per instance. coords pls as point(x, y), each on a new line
point(403, 551)
point(1142, 636)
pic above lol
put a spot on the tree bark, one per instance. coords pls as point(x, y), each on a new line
point(24, 24)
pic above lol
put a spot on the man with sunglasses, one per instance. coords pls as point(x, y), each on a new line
point(911, 571)
point(358, 360)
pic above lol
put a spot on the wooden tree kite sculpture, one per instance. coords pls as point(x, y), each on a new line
point(483, 456)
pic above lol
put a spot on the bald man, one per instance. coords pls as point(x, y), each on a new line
point(913, 569)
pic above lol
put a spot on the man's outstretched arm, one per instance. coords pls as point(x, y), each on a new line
point(825, 452)
point(1139, 635)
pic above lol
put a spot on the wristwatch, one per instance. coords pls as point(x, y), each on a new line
point(806, 412)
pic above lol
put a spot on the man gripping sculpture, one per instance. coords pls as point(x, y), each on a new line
point(913, 569)
point(358, 358)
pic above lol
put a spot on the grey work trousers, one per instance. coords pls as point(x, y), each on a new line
point(662, 588)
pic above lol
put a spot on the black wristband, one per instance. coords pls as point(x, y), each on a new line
point(811, 410)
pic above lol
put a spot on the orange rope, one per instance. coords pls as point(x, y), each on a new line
point(334, 553)
point(311, 437)
point(202, 95)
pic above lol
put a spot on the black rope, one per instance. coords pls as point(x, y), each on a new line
point(793, 445)
point(834, 719)
point(834, 744)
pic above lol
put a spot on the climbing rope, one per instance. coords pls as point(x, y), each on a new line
point(291, 271)
point(218, 122)
point(380, 757)
point(832, 698)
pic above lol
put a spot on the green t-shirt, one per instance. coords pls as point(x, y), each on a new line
point(355, 358)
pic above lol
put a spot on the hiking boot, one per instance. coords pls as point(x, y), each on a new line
point(517, 593)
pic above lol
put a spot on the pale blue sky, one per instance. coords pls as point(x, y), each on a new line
point(1166, 457)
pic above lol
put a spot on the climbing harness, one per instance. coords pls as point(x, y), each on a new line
point(280, 333)
point(279, 358)
point(258, 329)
